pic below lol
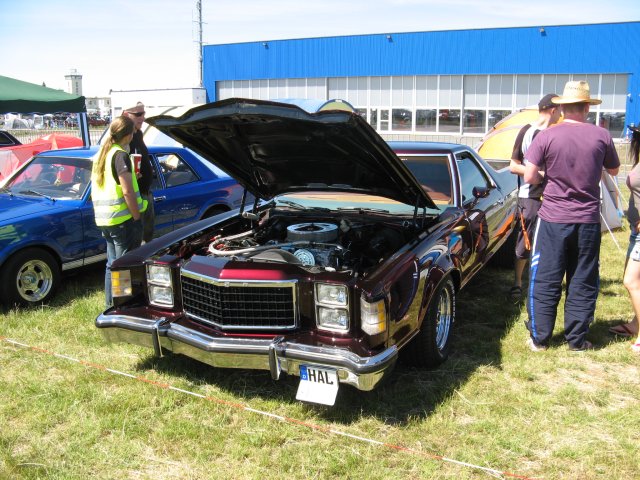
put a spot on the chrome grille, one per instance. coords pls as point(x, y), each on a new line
point(235, 305)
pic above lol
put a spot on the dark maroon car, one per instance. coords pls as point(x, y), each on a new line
point(353, 254)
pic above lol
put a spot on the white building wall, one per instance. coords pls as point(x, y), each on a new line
point(156, 101)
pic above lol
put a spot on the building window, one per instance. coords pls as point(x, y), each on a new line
point(297, 88)
point(357, 90)
point(380, 91)
point(554, 83)
point(277, 88)
point(474, 121)
point(449, 120)
point(426, 120)
point(528, 91)
point(501, 91)
point(495, 116)
point(402, 91)
point(373, 117)
point(427, 91)
point(260, 89)
point(475, 103)
point(317, 88)
point(338, 88)
point(401, 119)
point(451, 104)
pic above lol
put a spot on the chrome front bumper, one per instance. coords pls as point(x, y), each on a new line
point(276, 355)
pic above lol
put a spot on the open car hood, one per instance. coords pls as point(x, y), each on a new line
point(274, 148)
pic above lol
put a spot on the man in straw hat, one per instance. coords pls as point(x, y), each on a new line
point(568, 159)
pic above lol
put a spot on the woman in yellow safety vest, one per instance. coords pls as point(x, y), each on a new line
point(117, 203)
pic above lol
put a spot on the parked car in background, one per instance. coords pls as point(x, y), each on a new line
point(11, 157)
point(47, 223)
point(96, 121)
point(355, 254)
point(8, 140)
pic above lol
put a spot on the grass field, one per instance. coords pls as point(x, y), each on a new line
point(493, 404)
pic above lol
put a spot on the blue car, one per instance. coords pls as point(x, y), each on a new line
point(47, 223)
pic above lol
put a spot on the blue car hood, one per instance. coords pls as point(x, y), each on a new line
point(17, 206)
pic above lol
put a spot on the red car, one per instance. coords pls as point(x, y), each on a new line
point(353, 256)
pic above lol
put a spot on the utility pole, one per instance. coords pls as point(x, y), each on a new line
point(199, 8)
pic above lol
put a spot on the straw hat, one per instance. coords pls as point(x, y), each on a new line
point(576, 92)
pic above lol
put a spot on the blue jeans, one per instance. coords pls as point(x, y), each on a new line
point(120, 239)
point(148, 218)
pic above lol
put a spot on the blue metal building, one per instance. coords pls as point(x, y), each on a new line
point(446, 82)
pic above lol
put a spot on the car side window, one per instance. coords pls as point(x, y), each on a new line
point(5, 139)
point(471, 175)
point(156, 184)
point(175, 170)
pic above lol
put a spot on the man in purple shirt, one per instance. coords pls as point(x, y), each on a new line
point(567, 159)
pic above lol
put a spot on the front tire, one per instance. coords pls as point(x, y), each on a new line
point(30, 277)
point(431, 346)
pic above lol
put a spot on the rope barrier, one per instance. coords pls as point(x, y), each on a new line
point(327, 430)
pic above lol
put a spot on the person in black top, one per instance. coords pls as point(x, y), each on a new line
point(529, 196)
point(145, 177)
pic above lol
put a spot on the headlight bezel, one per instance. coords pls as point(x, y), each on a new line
point(332, 299)
point(159, 275)
point(160, 285)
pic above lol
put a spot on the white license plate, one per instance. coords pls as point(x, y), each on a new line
point(317, 385)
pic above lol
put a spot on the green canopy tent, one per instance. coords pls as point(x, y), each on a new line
point(17, 96)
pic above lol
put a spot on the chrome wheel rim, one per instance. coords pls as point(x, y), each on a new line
point(34, 280)
point(444, 318)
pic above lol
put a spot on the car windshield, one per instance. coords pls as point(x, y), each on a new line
point(345, 201)
point(52, 177)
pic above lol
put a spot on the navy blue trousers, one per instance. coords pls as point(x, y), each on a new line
point(558, 249)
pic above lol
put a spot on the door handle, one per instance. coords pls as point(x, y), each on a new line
point(159, 199)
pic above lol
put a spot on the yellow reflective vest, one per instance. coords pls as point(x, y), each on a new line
point(109, 205)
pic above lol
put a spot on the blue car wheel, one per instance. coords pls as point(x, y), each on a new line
point(31, 276)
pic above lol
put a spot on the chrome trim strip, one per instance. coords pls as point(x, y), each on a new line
point(275, 355)
point(96, 258)
point(243, 327)
point(72, 265)
point(85, 261)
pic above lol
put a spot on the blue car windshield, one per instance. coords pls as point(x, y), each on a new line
point(52, 177)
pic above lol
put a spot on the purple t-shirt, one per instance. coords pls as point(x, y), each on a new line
point(572, 156)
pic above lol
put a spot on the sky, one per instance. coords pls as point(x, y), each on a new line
point(152, 44)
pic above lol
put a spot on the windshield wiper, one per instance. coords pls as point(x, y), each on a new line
point(6, 190)
point(299, 206)
point(363, 209)
point(40, 194)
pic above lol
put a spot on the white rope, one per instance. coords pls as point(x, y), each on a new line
point(612, 236)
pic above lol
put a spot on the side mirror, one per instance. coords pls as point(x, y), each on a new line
point(481, 192)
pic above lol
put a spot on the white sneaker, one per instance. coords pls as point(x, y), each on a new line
point(535, 348)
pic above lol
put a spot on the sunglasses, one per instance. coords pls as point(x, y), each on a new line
point(137, 114)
